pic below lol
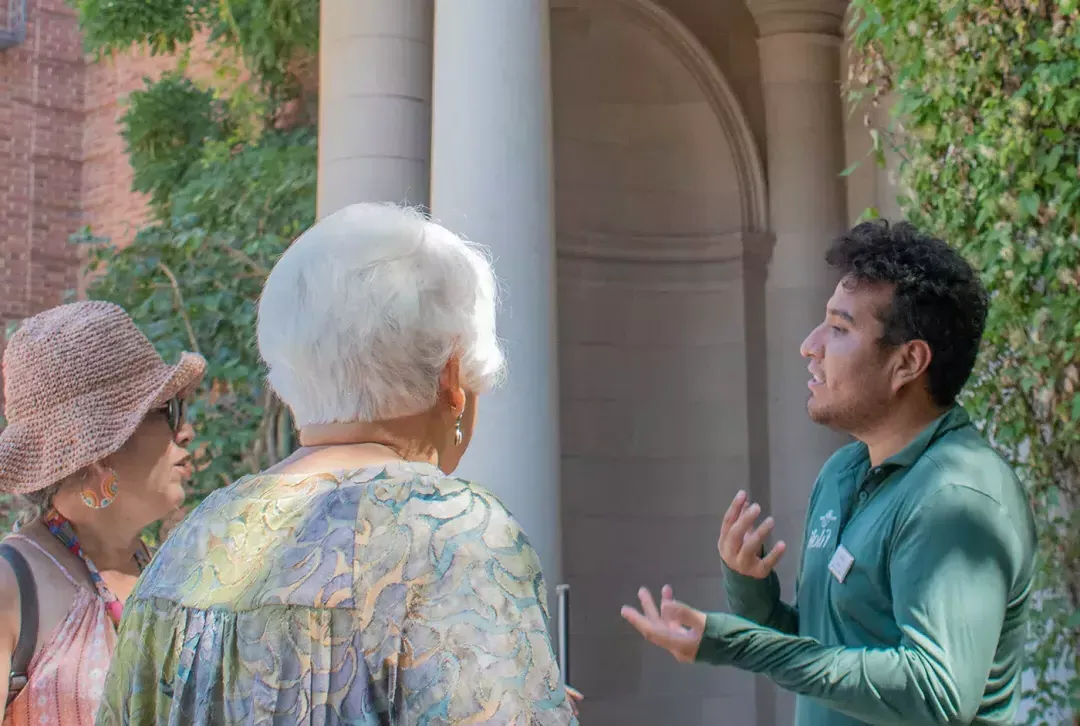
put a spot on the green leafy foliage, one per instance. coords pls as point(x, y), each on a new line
point(231, 186)
point(192, 281)
point(273, 36)
point(167, 126)
point(161, 25)
point(986, 121)
point(230, 165)
point(269, 36)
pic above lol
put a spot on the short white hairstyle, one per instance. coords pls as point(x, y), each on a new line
point(362, 313)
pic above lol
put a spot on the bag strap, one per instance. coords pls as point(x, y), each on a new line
point(28, 620)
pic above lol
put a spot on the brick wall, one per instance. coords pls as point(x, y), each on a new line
point(63, 165)
point(42, 99)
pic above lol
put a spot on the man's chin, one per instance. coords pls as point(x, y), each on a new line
point(829, 418)
point(818, 413)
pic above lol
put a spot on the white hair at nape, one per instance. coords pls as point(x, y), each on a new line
point(361, 314)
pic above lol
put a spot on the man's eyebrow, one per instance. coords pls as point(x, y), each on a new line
point(836, 312)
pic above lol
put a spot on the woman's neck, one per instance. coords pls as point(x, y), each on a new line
point(109, 541)
point(366, 444)
point(310, 460)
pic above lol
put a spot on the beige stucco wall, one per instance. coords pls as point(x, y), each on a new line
point(666, 119)
point(651, 354)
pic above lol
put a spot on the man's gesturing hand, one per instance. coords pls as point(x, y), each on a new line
point(675, 627)
point(740, 543)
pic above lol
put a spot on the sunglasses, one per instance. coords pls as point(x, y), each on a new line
point(175, 412)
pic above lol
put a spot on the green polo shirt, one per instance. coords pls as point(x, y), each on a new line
point(928, 624)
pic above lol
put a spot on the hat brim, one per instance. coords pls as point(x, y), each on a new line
point(34, 455)
point(184, 379)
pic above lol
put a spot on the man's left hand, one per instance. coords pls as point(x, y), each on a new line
point(675, 626)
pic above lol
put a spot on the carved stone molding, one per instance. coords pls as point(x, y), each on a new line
point(774, 17)
point(700, 277)
point(757, 250)
point(725, 104)
point(619, 247)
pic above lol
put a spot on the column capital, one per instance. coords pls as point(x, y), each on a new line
point(774, 17)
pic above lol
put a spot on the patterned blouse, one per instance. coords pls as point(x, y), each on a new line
point(390, 595)
point(66, 674)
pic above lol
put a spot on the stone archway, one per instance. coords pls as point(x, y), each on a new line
point(659, 190)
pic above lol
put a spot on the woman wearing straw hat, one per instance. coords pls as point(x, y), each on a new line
point(357, 581)
point(95, 442)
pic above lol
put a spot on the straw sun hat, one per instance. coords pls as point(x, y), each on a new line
point(78, 381)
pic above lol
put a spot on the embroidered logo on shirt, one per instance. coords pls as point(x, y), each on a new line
point(820, 538)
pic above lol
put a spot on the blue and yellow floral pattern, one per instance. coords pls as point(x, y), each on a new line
point(392, 595)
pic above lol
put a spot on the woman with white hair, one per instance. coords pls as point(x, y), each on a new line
point(357, 581)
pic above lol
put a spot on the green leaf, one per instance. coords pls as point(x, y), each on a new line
point(849, 170)
point(1051, 161)
point(869, 213)
point(1029, 203)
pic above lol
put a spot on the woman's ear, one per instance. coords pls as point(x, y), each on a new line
point(450, 389)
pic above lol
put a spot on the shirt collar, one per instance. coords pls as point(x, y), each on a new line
point(954, 418)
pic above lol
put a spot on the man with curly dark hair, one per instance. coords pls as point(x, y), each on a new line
point(919, 548)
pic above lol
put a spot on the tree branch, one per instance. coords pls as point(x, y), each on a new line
point(180, 308)
point(242, 257)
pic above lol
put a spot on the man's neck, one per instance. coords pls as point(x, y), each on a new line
point(892, 435)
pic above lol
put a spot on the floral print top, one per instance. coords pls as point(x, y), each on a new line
point(390, 595)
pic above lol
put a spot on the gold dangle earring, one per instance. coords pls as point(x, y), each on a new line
point(458, 436)
point(103, 495)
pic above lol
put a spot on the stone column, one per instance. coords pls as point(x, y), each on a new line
point(799, 45)
point(491, 180)
point(374, 102)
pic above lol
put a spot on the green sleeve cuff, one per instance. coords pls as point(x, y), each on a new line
point(746, 588)
point(714, 641)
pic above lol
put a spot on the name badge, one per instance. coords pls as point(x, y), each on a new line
point(841, 562)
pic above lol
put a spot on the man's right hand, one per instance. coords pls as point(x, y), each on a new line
point(741, 543)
